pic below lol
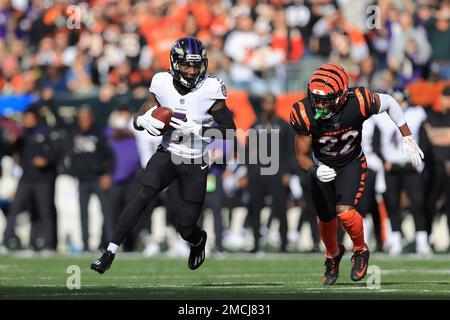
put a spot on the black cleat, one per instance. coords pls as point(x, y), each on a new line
point(332, 268)
point(360, 261)
point(197, 254)
point(104, 263)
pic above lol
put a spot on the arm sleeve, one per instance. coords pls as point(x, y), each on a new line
point(395, 112)
point(224, 118)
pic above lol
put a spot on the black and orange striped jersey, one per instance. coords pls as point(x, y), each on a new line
point(336, 141)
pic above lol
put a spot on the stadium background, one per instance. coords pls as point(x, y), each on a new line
point(254, 46)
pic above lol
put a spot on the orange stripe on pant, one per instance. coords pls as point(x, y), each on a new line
point(353, 224)
point(362, 181)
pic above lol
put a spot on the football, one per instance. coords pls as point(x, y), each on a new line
point(163, 114)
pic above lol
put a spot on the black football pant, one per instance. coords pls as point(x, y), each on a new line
point(159, 173)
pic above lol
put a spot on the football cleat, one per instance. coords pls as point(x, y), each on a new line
point(332, 267)
point(104, 262)
point(360, 261)
point(197, 254)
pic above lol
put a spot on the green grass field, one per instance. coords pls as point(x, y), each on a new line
point(238, 276)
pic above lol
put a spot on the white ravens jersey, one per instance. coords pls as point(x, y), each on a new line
point(391, 138)
point(193, 105)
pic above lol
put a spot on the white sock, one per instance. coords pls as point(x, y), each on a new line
point(112, 247)
point(422, 238)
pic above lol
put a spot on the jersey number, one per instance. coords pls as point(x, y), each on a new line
point(330, 142)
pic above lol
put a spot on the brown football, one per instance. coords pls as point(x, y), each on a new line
point(163, 114)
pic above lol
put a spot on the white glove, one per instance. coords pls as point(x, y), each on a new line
point(411, 151)
point(149, 123)
point(185, 127)
point(325, 173)
point(183, 151)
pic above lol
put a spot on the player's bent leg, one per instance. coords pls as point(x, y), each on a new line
point(350, 185)
point(192, 233)
point(353, 223)
point(193, 190)
point(331, 273)
point(128, 219)
point(334, 251)
point(323, 195)
point(328, 232)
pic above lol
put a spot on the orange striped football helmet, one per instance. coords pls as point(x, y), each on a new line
point(327, 90)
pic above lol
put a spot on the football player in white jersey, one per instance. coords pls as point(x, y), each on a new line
point(198, 102)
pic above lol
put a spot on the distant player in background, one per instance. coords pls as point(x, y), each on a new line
point(200, 100)
point(329, 122)
point(402, 175)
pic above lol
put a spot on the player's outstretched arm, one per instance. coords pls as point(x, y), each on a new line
point(411, 150)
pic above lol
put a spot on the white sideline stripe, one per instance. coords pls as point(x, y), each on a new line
point(334, 289)
point(418, 271)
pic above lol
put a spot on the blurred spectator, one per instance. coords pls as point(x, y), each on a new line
point(79, 79)
point(91, 161)
point(35, 154)
point(9, 133)
point(274, 185)
point(308, 211)
point(124, 176)
point(438, 30)
point(261, 39)
point(239, 47)
point(409, 49)
point(215, 196)
point(438, 129)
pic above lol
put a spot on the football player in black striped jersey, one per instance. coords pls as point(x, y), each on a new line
point(328, 123)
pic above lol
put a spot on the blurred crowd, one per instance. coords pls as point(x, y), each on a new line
point(117, 45)
point(102, 48)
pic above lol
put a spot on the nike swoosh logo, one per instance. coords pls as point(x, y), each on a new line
point(362, 273)
point(203, 167)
